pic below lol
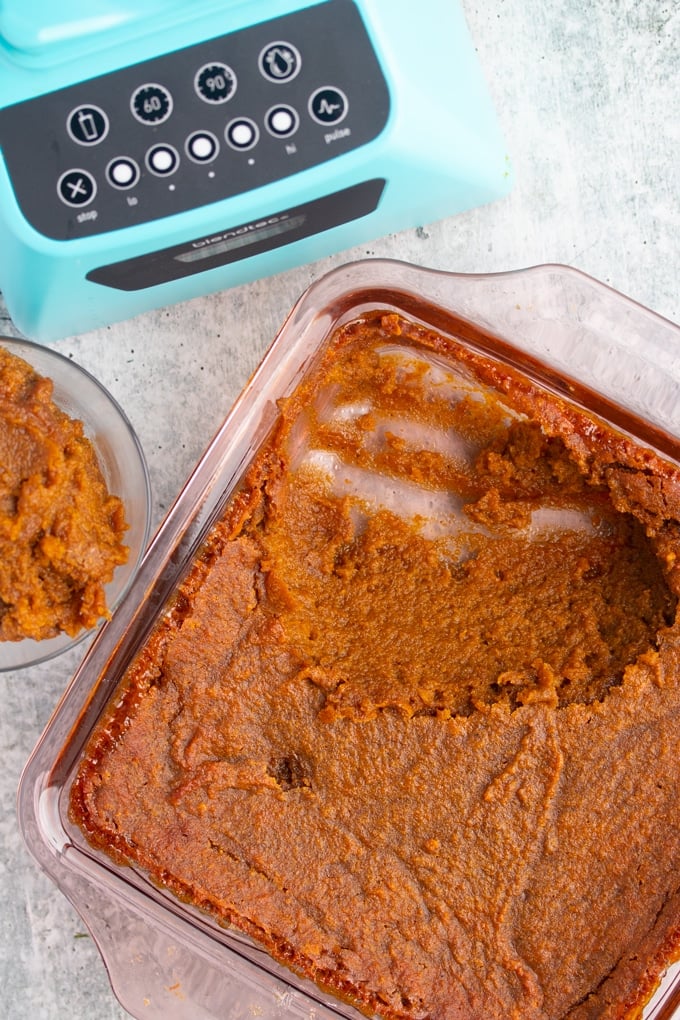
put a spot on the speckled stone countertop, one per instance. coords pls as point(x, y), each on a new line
point(587, 94)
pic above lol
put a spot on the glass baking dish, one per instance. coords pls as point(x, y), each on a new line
point(566, 331)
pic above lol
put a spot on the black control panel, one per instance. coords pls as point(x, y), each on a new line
point(240, 241)
point(197, 125)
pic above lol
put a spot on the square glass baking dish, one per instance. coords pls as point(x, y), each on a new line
point(569, 333)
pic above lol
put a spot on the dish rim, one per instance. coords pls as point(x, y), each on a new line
point(189, 518)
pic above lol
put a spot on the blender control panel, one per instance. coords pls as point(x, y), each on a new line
point(198, 125)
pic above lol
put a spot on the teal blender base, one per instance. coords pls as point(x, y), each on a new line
point(154, 152)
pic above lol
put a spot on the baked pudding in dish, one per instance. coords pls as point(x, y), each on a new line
point(411, 719)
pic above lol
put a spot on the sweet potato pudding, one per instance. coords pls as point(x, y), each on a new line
point(412, 719)
point(61, 531)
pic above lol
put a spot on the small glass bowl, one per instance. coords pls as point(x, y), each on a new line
point(122, 463)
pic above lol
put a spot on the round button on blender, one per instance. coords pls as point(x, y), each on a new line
point(280, 61)
point(215, 83)
point(202, 147)
point(328, 105)
point(162, 160)
point(242, 133)
point(87, 125)
point(76, 187)
point(151, 103)
point(282, 121)
point(122, 172)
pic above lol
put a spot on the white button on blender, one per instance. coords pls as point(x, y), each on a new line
point(122, 172)
point(242, 133)
point(202, 146)
point(162, 160)
point(282, 121)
